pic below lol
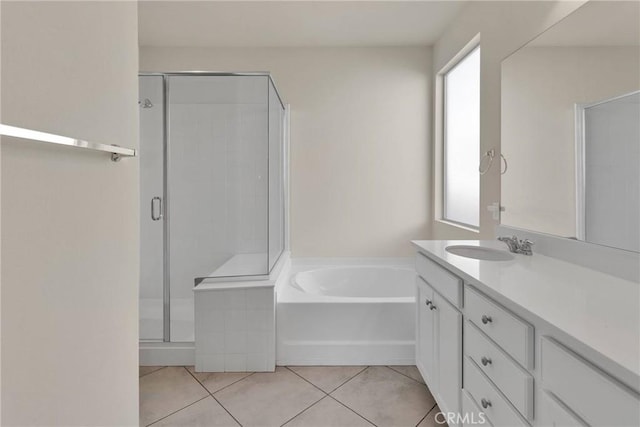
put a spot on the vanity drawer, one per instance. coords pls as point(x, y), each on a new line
point(440, 279)
point(472, 415)
point(498, 410)
point(513, 381)
point(593, 395)
point(513, 334)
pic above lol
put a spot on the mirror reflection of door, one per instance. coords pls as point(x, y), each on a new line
point(608, 163)
point(590, 59)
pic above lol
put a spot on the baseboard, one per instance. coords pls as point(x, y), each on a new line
point(345, 354)
point(167, 354)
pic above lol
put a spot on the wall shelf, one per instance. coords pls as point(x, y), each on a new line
point(116, 152)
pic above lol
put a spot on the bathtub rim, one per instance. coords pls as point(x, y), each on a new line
point(287, 293)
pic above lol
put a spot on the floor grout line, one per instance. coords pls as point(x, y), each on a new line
point(423, 418)
point(168, 415)
point(336, 388)
point(152, 372)
point(306, 380)
point(308, 407)
point(403, 374)
point(214, 398)
point(427, 414)
point(235, 382)
point(352, 377)
point(226, 410)
point(328, 394)
point(364, 368)
point(352, 410)
point(227, 386)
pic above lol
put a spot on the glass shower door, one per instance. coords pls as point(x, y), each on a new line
point(217, 178)
point(211, 188)
point(151, 102)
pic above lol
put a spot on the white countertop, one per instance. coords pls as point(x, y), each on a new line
point(597, 309)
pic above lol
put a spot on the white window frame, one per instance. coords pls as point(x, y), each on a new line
point(440, 137)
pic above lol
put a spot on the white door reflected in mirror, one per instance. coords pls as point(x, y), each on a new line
point(591, 56)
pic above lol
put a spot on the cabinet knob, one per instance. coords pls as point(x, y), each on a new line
point(433, 307)
point(427, 302)
point(485, 403)
point(485, 361)
point(486, 319)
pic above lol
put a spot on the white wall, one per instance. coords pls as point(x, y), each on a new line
point(504, 26)
point(542, 85)
point(69, 217)
point(359, 140)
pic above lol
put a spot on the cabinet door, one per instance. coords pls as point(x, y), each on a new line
point(554, 413)
point(448, 360)
point(425, 339)
point(596, 397)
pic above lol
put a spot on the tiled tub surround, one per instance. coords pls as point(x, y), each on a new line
point(235, 330)
point(318, 396)
point(235, 323)
point(347, 312)
point(546, 342)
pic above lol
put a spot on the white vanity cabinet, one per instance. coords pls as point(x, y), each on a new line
point(484, 358)
point(439, 331)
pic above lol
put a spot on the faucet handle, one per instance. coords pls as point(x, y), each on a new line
point(525, 247)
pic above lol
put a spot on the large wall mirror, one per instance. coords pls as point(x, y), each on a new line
point(571, 128)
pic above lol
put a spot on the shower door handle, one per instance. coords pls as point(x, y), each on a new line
point(157, 217)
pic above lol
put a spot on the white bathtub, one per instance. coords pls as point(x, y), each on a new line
point(363, 313)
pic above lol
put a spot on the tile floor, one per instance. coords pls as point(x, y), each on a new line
point(294, 396)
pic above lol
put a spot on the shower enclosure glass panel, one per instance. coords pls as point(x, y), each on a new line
point(212, 189)
point(276, 176)
point(151, 96)
point(217, 184)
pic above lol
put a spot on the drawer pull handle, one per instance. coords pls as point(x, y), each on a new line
point(486, 319)
point(485, 403)
point(485, 361)
point(433, 307)
point(428, 302)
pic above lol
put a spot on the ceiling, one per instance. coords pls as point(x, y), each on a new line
point(597, 23)
point(293, 23)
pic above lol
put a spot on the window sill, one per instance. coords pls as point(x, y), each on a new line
point(458, 225)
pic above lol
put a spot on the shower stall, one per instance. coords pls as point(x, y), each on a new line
point(212, 190)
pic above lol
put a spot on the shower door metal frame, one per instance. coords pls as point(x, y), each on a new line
point(166, 290)
point(166, 283)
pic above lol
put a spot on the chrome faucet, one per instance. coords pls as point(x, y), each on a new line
point(517, 246)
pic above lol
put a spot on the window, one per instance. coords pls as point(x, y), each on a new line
point(461, 141)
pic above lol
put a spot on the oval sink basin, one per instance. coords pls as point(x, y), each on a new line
point(478, 252)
